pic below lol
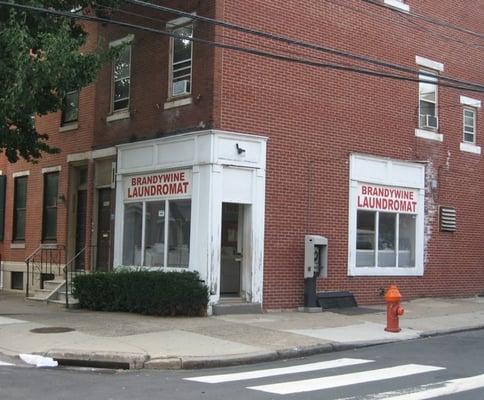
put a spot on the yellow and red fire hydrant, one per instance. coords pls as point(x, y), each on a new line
point(394, 310)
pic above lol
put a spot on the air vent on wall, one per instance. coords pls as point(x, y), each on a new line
point(448, 219)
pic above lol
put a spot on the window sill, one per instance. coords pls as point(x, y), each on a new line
point(424, 134)
point(116, 116)
point(399, 5)
point(470, 148)
point(173, 102)
point(69, 127)
point(17, 245)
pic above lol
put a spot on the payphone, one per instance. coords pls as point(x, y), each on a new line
point(315, 265)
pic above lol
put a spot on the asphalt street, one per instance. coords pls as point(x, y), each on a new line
point(445, 367)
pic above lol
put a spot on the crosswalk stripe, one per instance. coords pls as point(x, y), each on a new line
point(263, 373)
point(5, 364)
point(445, 388)
point(329, 382)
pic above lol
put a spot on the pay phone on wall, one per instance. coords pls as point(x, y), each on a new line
point(315, 265)
point(315, 256)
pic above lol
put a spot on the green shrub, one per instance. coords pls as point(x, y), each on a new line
point(143, 292)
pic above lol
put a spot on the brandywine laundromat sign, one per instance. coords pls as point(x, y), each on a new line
point(387, 198)
point(160, 185)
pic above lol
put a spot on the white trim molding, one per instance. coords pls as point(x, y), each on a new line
point(174, 23)
point(178, 103)
point(117, 115)
point(68, 127)
point(127, 39)
point(467, 101)
point(470, 148)
point(48, 170)
point(422, 133)
point(427, 63)
point(398, 4)
point(20, 173)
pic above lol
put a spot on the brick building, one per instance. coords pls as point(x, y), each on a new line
point(189, 155)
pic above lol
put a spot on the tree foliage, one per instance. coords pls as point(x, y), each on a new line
point(40, 61)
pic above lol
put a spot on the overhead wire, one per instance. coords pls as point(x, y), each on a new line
point(291, 41)
point(256, 52)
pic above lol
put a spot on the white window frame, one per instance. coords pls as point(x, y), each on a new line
point(464, 125)
point(385, 172)
point(126, 40)
point(173, 26)
point(425, 75)
point(166, 232)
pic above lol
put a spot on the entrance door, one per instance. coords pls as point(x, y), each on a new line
point(103, 259)
point(231, 251)
point(81, 216)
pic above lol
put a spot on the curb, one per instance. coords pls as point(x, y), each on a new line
point(142, 360)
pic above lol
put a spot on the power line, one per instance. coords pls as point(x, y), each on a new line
point(290, 41)
point(444, 24)
point(403, 21)
point(255, 52)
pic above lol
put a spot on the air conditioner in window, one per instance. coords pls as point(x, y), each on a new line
point(180, 88)
point(429, 121)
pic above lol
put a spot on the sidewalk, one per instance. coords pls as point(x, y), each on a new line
point(156, 342)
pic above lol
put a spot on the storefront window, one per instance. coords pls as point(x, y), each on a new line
point(164, 219)
point(387, 238)
point(133, 217)
point(155, 234)
point(179, 233)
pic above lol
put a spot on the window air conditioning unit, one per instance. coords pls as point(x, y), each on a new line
point(180, 88)
point(429, 121)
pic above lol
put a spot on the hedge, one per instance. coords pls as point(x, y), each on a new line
point(143, 292)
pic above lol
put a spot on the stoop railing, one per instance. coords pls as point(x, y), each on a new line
point(44, 264)
point(70, 271)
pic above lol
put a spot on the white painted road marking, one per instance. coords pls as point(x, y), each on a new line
point(329, 382)
point(5, 364)
point(263, 373)
point(431, 391)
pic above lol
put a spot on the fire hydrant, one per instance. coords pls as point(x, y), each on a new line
point(394, 310)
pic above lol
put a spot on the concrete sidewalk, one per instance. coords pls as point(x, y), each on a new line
point(121, 339)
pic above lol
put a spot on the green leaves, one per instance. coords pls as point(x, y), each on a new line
point(40, 61)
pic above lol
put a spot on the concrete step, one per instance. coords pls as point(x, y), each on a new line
point(53, 284)
point(73, 303)
point(41, 293)
point(236, 308)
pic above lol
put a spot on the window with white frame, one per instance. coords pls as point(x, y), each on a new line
point(157, 218)
point(166, 238)
point(469, 125)
point(121, 80)
point(181, 53)
point(386, 217)
point(428, 118)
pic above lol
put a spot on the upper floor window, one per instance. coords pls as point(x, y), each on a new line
point(469, 125)
point(121, 80)
point(181, 52)
point(70, 109)
point(428, 118)
point(49, 218)
point(398, 4)
point(19, 208)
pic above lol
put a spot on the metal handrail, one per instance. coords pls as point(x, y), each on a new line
point(46, 261)
point(66, 272)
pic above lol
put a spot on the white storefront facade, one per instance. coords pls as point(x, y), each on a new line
point(194, 202)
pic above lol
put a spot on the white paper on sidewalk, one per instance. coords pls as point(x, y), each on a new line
point(38, 361)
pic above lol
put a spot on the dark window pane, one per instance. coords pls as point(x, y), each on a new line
point(70, 109)
point(365, 238)
point(386, 240)
point(49, 225)
point(20, 202)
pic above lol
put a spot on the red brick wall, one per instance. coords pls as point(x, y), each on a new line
point(316, 117)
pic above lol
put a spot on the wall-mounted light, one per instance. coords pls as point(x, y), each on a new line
point(61, 198)
point(240, 150)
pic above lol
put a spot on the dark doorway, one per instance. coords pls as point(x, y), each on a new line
point(231, 251)
point(103, 259)
point(80, 262)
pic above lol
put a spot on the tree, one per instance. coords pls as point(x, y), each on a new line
point(40, 61)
